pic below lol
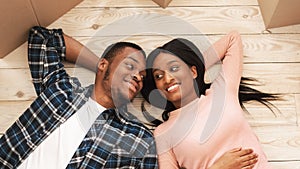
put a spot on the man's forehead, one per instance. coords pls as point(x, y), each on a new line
point(133, 54)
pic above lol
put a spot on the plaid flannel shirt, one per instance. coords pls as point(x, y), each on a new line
point(114, 141)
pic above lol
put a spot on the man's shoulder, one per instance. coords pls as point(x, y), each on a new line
point(135, 126)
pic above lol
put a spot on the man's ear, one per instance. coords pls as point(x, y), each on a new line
point(194, 72)
point(102, 65)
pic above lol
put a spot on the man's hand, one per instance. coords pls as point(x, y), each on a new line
point(237, 158)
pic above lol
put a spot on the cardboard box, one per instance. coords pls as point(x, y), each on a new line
point(18, 16)
point(48, 11)
point(162, 3)
point(278, 13)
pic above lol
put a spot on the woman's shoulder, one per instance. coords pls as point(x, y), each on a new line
point(164, 127)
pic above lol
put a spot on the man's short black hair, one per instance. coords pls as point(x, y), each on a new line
point(112, 50)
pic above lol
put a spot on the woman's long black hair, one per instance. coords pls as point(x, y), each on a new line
point(190, 54)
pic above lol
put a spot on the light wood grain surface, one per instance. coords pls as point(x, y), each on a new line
point(272, 56)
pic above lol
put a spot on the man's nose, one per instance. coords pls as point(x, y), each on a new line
point(137, 77)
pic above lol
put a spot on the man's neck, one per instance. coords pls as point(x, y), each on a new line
point(103, 100)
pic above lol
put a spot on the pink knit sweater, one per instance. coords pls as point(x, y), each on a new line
point(196, 135)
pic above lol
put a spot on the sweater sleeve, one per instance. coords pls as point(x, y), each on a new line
point(167, 160)
point(166, 156)
point(229, 50)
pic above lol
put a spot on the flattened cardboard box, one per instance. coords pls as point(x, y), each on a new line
point(278, 13)
point(17, 17)
point(162, 3)
point(48, 11)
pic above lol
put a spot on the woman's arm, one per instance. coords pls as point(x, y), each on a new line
point(229, 50)
point(237, 158)
point(167, 160)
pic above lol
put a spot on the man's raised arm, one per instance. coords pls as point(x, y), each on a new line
point(80, 54)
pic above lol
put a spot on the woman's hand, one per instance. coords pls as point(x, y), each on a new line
point(237, 158)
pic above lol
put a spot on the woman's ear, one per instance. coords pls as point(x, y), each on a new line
point(194, 72)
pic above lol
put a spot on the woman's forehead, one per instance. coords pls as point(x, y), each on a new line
point(163, 59)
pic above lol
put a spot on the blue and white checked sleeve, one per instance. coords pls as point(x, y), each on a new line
point(46, 50)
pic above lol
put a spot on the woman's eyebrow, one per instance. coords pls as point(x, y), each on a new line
point(172, 61)
point(168, 63)
point(156, 69)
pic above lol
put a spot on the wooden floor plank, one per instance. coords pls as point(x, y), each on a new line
point(280, 143)
point(17, 88)
point(23, 90)
point(10, 111)
point(297, 99)
point(269, 48)
point(286, 29)
point(286, 164)
point(183, 3)
point(174, 3)
point(15, 59)
point(274, 78)
point(207, 20)
point(257, 48)
point(284, 112)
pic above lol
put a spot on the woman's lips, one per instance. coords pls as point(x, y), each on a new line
point(173, 87)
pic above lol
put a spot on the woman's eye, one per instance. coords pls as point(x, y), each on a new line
point(158, 76)
point(174, 68)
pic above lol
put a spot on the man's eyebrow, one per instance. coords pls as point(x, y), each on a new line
point(130, 57)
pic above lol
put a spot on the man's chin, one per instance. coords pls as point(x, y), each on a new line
point(124, 97)
point(131, 95)
point(132, 98)
point(125, 100)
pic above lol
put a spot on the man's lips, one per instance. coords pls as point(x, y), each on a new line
point(133, 86)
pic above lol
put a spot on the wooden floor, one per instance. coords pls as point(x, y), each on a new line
point(272, 56)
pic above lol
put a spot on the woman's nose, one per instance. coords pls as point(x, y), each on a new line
point(168, 77)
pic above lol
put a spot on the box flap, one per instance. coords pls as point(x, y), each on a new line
point(49, 11)
point(162, 3)
point(277, 13)
point(16, 19)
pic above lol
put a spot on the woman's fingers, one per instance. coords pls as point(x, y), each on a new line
point(248, 167)
point(244, 152)
point(249, 160)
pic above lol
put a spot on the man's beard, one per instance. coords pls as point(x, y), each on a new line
point(118, 97)
point(107, 73)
